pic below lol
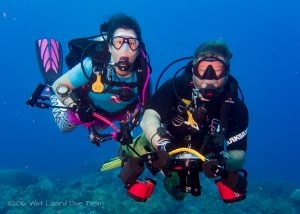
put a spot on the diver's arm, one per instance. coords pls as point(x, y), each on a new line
point(64, 81)
point(236, 144)
point(236, 159)
point(72, 79)
point(150, 123)
point(159, 110)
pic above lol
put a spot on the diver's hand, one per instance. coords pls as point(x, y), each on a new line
point(84, 112)
point(212, 168)
point(162, 159)
point(215, 167)
point(158, 160)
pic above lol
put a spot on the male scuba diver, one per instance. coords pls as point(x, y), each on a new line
point(109, 75)
point(199, 111)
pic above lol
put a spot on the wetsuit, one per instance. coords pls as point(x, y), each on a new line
point(201, 137)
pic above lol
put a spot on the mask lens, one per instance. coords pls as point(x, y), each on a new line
point(210, 68)
point(133, 43)
point(118, 42)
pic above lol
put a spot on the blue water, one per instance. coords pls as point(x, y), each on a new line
point(264, 37)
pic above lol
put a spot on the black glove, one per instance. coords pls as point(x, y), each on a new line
point(162, 159)
point(84, 112)
point(124, 137)
point(211, 168)
point(215, 167)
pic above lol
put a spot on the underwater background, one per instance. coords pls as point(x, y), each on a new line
point(39, 165)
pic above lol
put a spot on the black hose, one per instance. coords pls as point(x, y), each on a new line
point(167, 67)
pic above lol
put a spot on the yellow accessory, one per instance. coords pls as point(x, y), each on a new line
point(191, 120)
point(98, 86)
point(191, 151)
point(186, 102)
point(111, 164)
point(116, 162)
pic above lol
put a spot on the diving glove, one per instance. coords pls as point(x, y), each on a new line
point(162, 159)
point(84, 112)
point(211, 168)
point(215, 167)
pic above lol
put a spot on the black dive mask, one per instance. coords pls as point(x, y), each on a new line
point(210, 73)
point(123, 64)
point(210, 68)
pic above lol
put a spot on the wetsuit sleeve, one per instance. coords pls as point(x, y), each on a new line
point(238, 127)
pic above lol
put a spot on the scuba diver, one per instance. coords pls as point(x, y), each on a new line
point(109, 75)
point(201, 112)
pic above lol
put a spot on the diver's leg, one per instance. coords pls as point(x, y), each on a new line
point(61, 116)
point(140, 144)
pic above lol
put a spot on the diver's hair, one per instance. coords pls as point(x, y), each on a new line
point(121, 20)
point(213, 47)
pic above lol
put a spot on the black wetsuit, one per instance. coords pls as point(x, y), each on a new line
point(204, 137)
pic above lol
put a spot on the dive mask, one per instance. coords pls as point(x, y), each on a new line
point(210, 68)
point(118, 42)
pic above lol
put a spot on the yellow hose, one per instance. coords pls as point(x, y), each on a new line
point(192, 151)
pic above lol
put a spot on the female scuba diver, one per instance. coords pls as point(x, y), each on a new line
point(111, 79)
